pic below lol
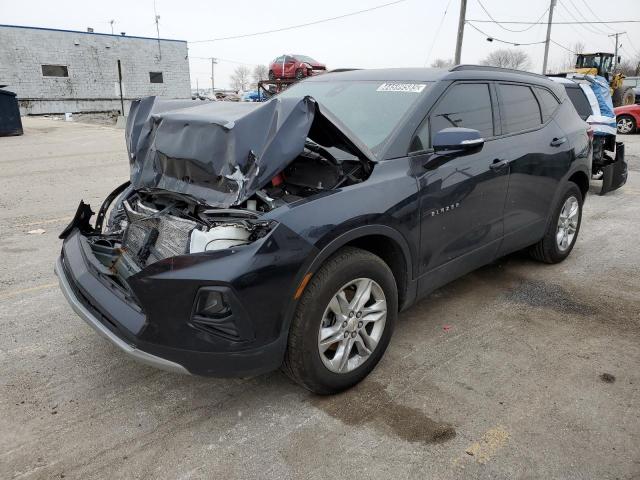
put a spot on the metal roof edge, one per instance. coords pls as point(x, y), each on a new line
point(92, 33)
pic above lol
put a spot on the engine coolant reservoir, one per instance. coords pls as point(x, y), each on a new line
point(218, 238)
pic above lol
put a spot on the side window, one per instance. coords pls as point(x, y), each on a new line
point(463, 105)
point(289, 59)
point(580, 102)
point(279, 59)
point(519, 108)
point(548, 103)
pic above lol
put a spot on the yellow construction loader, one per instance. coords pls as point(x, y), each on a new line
point(602, 64)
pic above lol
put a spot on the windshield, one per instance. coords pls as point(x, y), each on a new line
point(304, 58)
point(370, 109)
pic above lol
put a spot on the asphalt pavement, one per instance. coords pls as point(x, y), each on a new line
point(518, 370)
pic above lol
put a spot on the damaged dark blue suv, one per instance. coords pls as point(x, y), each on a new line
point(290, 233)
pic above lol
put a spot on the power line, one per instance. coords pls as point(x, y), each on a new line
point(562, 46)
point(632, 45)
point(435, 37)
point(510, 29)
point(301, 25)
point(225, 60)
point(594, 14)
point(555, 23)
point(595, 29)
point(494, 39)
point(491, 38)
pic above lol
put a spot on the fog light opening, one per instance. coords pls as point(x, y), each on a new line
point(211, 304)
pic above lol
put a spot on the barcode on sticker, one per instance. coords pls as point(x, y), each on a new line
point(401, 87)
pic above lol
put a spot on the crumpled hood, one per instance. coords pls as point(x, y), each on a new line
point(222, 152)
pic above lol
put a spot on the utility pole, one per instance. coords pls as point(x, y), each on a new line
point(213, 62)
point(552, 4)
point(461, 22)
point(615, 55)
point(158, 32)
point(111, 22)
point(120, 84)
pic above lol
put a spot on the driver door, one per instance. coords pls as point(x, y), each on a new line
point(462, 200)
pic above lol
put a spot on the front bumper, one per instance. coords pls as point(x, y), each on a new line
point(152, 320)
point(84, 313)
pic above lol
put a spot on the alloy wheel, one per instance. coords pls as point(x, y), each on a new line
point(625, 125)
point(567, 223)
point(352, 325)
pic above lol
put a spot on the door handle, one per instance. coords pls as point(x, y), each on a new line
point(556, 142)
point(498, 164)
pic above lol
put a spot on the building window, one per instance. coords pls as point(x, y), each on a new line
point(155, 77)
point(55, 71)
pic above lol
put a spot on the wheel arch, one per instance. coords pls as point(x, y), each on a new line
point(582, 181)
point(383, 241)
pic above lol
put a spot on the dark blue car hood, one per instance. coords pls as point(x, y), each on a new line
point(220, 153)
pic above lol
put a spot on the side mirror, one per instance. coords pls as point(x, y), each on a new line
point(457, 140)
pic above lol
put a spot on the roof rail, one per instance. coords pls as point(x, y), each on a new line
point(490, 68)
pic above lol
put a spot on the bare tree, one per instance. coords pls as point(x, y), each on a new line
point(260, 72)
point(240, 78)
point(506, 58)
point(442, 63)
point(630, 67)
point(569, 61)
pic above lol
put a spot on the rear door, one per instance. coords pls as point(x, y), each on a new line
point(539, 156)
point(462, 200)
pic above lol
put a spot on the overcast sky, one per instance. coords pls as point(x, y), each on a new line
point(401, 35)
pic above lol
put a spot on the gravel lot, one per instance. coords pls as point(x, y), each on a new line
point(519, 370)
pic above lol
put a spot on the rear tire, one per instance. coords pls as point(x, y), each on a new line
point(305, 361)
point(299, 74)
point(626, 124)
point(562, 231)
point(272, 76)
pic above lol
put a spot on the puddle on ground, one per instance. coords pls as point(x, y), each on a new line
point(540, 294)
point(368, 403)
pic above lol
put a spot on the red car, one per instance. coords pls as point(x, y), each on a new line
point(294, 66)
point(627, 118)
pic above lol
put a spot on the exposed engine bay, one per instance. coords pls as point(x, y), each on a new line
point(148, 225)
point(315, 170)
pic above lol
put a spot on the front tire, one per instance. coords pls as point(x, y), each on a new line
point(343, 322)
point(626, 124)
point(563, 228)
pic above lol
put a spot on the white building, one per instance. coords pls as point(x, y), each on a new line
point(57, 71)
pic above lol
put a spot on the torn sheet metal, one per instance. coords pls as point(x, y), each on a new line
point(220, 153)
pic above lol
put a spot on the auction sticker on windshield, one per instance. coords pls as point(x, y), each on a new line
point(401, 87)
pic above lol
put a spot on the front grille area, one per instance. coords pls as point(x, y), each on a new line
point(151, 235)
point(66, 271)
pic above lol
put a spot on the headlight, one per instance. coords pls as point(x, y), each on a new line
point(218, 238)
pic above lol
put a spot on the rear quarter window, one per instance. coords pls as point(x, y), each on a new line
point(548, 102)
point(580, 101)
